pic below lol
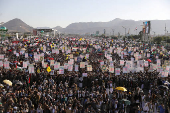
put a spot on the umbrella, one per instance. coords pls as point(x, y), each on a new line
point(127, 102)
point(19, 83)
point(1, 85)
point(166, 83)
point(148, 60)
point(23, 49)
point(8, 82)
point(121, 88)
point(163, 87)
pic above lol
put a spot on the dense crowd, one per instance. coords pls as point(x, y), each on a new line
point(40, 91)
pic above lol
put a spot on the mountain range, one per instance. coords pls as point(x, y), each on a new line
point(111, 27)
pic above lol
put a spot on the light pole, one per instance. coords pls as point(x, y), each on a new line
point(125, 34)
point(154, 33)
point(113, 32)
point(54, 31)
point(166, 38)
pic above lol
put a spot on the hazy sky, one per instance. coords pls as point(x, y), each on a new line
point(51, 13)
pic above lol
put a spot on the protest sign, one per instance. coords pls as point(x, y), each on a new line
point(117, 71)
point(125, 70)
point(82, 64)
point(121, 62)
point(84, 74)
point(25, 64)
point(56, 66)
point(111, 69)
point(89, 68)
point(51, 62)
point(76, 67)
point(61, 70)
point(6, 64)
point(1, 63)
point(31, 69)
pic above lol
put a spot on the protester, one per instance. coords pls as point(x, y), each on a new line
point(62, 75)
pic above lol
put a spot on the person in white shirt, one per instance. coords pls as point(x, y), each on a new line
point(146, 108)
point(39, 109)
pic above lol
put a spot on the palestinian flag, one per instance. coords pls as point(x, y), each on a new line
point(18, 68)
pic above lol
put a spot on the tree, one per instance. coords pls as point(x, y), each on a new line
point(158, 40)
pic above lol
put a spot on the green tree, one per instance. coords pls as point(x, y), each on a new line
point(158, 39)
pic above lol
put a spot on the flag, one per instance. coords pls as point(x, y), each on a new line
point(48, 69)
point(29, 79)
point(38, 70)
point(19, 68)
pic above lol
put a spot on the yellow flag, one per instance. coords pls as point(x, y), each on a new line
point(38, 70)
point(41, 48)
point(48, 69)
point(80, 39)
point(52, 46)
point(66, 58)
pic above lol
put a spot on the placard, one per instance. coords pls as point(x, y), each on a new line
point(1, 63)
point(56, 66)
point(31, 69)
point(125, 70)
point(82, 64)
point(117, 71)
point(65, 65)
point(52, 72)
point(70, 67)
point(45, 65)
point(76, 67)
point(6, 65)
point(89, 68)
point(84, 74)
point(111, 63)
point(61, 70)
point(71, 56)
point(51, 62)
point(121, 62)
point(146, 63)
point(25, 64)
point(1, 56)
point(111, 69)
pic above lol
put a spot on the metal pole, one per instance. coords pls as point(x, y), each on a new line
point(125, 37)
point(166, 38)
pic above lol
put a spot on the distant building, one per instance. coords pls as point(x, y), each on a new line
point(47, 32)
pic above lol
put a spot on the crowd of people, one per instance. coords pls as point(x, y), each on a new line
point(109, 85)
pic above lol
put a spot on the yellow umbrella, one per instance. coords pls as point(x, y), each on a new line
point(8, 82)
point(121, 88)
